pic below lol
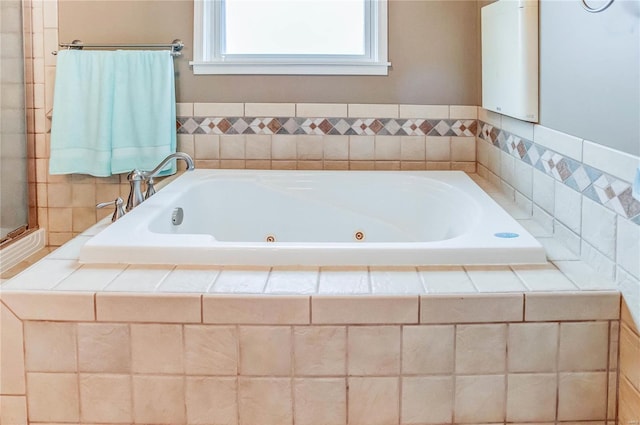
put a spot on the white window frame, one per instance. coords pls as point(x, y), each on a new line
point(208, 59)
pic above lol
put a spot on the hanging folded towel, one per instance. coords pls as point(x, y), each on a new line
point(113, 111)
point(144, 111)
point(81, 128)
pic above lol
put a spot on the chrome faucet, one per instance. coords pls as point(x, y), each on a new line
point(136, 177)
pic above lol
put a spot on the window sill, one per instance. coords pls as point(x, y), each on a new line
point(243, 68)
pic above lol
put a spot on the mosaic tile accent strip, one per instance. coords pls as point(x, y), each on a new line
point(326, 126)
point(600, 187)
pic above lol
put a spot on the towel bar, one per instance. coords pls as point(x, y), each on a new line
point(176, 46)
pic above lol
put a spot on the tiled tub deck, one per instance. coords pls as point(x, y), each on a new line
point(363, 346)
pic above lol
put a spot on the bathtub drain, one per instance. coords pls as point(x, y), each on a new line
point(270, 238)
point(359, 236)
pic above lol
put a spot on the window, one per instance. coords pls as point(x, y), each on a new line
point(347, 37)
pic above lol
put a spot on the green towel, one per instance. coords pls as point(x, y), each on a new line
point(113, 111)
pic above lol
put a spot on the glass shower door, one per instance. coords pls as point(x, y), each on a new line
point(14, 210)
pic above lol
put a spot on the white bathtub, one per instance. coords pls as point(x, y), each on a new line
point(317, 218)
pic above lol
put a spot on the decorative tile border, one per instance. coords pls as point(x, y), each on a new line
point(598, 186)
point(327, 126)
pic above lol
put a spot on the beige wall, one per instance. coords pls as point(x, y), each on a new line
point(432, 47)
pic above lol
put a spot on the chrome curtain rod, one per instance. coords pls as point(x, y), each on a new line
point(176, 46)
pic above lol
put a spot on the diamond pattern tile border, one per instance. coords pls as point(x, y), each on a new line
point(326, 126)
point(604, 189)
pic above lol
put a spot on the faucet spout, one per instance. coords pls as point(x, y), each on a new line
point(136, 177)
point(178, 155)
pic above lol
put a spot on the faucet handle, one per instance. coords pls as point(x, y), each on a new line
point(151, 190)
point(117, 203)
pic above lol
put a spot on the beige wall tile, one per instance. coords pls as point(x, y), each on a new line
point(413, 165)
point(308, 165)
point(159, 399)
point(50, 347)
point(84, 195)
point(53, 397)
point(630, 355)
point(471, 308)
point(258, 164)
point(481, 349)
point(457, 112)
point(257, 147)
point(533, 347)
point(210, 350)
point(83, 218)
point(572, 306)
point(184, 109)
point(373, 401)
point(373, 350)
point(13, 410)
point(186, 144)
point(104, 347)
point(60, 219)
point(173, 308)
point(412, 148)
point(427, 400)
point(479, 399)
point(438, 148)
point(467, 167)
point(265, 401)
point(270, 109)
point(629, 405)
point(309, 147)
point(427, 349)
point(614, 342)
point(283, 165)
point(362, 165)
point(321, 110)
point(463, 149)
point(207, 146)
point(387, 148)
point(320, 350)
point(265, 350)
point(232, 147)
point(583, 346)
point(212, 400)
point(373, 110)
point(210, 164)
point(387, 165)
point(246, 309)
point(320, 401)
point(218, 109)
point(335, 165)
point(105, 398)
point(424, 111)
point(41, 194)
point(59, 238)
point(59, 195)
point(364, 310)
point(531, 397)
point(582, 396)
point(361, 148)
point(156, 349)
point(612, 395)
point(232, 164)
point(11, 352)
point(67, 306)
point(336, 147)
point(283, 147)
